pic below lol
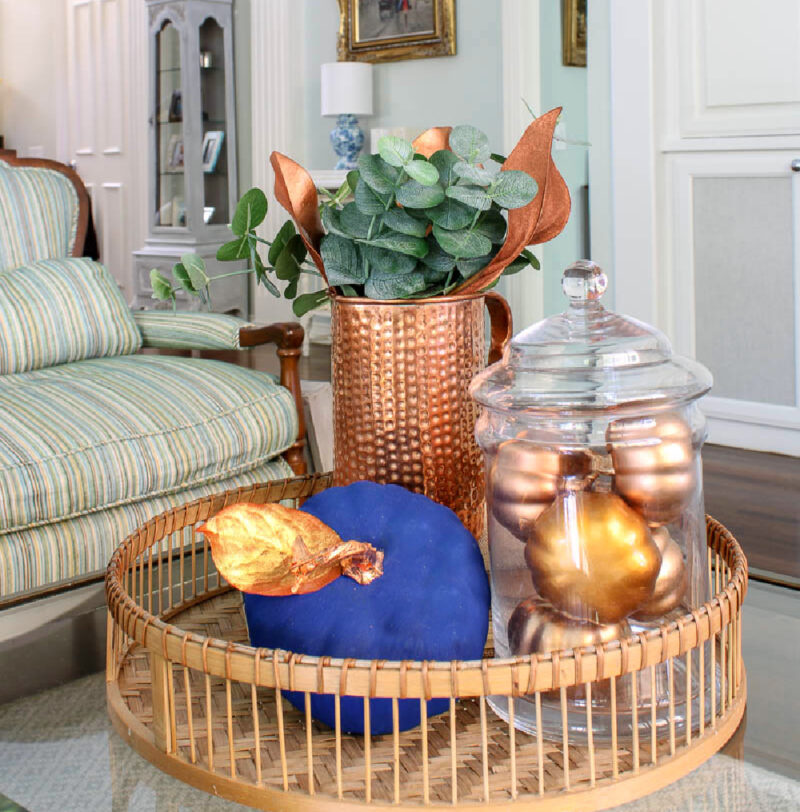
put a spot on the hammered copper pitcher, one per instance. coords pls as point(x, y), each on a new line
point(401, 409)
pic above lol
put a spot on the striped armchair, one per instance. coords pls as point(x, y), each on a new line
point(97, 437)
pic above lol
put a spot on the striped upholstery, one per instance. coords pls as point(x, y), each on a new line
point(38, 215)
point(55, 311)
point(81, 546)
point(105, 432)
point(189, 331)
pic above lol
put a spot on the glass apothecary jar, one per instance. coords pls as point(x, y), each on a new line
point(592, 436)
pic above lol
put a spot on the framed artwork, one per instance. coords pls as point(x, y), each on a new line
point(573, 33)
point(212, 145)
point(174, 157)
point(391, 30)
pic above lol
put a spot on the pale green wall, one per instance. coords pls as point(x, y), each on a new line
point(416, 93)
point(565, 87)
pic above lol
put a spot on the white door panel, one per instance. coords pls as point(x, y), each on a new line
point(102, 37)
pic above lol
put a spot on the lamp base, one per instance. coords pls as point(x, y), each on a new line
point(347, 138)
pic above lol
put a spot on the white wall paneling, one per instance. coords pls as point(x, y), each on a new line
point(521, 80)
point(733, 279)
point(739, 66)
point(276, 88)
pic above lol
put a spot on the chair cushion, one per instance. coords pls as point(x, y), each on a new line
point(55, 311)
point(43, 556)
point(38, 215)
point(109, 431)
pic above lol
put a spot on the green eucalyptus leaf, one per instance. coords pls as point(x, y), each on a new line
point(531, 258)
point(437, 259)
point(497, 158)
point(383, 262)
point(279, 241)
point(434, 275)
point(331, 222)
point(309, 301)
point(395, 287)
point(451, 214)
point(414, 195)
point(470, 144)
point(472, 196)
point(377, 174)
point(368, 200)
point(463, 243)
point(395, 151)
point(422, 172)
point(182, 278)
point(492, 224)
point(288, 264)
point(352, 179)
point(515, 266)
point(401, 243)
point(162, 289)
point(250, 212)
point(196, 270)
point(290, 291)
point(348, 290)
point(512, 189)
point(269, 285)
point(400, 220)
point(357, 224)
point(233, 250)
point(444, 160)
point(343, 265)
point(473, 174)
point(468, 267)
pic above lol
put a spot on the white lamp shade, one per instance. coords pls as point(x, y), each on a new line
point(347, 88)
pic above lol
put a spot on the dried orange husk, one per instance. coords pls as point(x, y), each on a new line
point(276, 550)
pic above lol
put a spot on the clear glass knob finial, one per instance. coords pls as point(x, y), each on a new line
point(584, 281)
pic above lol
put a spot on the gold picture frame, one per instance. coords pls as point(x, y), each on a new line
point(573, 33)
point(391, 30)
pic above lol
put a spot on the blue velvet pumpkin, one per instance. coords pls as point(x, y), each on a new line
point(432, 602)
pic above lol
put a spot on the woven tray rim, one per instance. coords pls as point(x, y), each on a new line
point(277, 668)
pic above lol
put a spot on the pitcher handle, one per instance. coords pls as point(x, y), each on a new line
point(500, 320)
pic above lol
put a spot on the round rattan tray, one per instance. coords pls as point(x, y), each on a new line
point(188, 693)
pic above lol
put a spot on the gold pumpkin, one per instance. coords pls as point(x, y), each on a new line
point(655, 470)
point(525, 478)
point(672, 581)
point(535, 626)
point(592, 556)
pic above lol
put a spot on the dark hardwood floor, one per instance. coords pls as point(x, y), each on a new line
point(755, 495)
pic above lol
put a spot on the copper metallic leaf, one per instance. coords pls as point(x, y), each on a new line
point(295, 191)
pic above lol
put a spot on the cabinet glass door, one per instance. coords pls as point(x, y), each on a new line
point(170, 178)
point(215, 146)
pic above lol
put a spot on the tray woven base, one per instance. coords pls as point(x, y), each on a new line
point(222, 617)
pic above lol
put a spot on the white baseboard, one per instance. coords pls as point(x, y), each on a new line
point(753, 426)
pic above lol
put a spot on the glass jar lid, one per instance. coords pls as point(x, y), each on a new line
point(589, 359)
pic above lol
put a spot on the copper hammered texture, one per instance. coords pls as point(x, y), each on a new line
point(402, 413)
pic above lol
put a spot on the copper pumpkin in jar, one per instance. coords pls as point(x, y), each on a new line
point(654, 464)
point(525, 478)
